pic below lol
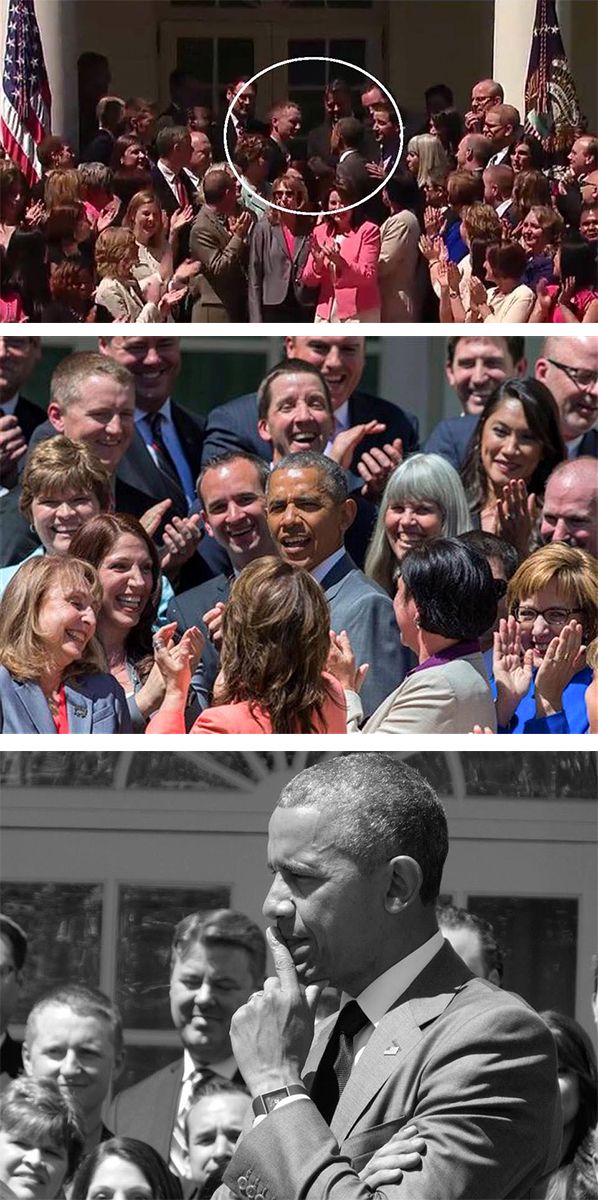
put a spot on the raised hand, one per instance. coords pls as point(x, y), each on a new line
point(172, 297)
point(341, 662)
point(512, 668)
point(402, 1153)
point(375, 170)
point(213, 620)
point(181, 538)
point(377, 465)
point(108, 215)
point(271, 1034)
point(477, 291)
point(345, 443)
point(181, 217)
point(453, 276)
point(175, 665)
point(152, 517)
point(567, 290)
point(516, 515)
point(564, 657)
point(433, 220)
point(35, 214)
point(12, 444)
point(242, 224)
point(543, 299)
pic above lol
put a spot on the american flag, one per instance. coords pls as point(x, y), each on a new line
point(26, 99)
point(551, 102)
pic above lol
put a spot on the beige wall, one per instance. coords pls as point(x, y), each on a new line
point(432, 41)
point(125, 31)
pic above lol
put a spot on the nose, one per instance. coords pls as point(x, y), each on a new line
point(115, 425)
point(204, 995)
point(89, 618)
point(278, 904)
point(234, 512)
point(33, 1156)
point(303, 411)
point(223, 1148)
point(135, 576)
point(479, 373)
point(151, 358)
point(540, 626)
point(333, 359)
point(66, 509)
point(69, 1066)
point(561, 532)
point(511, 444)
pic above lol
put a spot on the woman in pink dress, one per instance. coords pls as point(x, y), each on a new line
point(343, 262)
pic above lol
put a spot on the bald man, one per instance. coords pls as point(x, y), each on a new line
point(569, 367)
point(570, 512)
point(485, 94)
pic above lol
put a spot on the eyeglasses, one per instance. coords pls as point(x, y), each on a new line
point(584, 380)
point(277, 195)
point(553, 616)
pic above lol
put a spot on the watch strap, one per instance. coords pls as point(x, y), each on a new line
point(268, 1100)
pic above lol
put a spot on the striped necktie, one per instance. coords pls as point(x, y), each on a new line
point(179, 1159)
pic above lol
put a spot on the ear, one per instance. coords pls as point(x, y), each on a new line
point(206, 521)
point(26, 1060)
point(55, 416)
point(450, 374)
point(348, 514)
point(405, 883)
point(541, 369)
point(262, 428)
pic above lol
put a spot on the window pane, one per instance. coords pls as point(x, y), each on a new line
point(49, 768)
point(195, 55)
point(167, 770)
point(63, 922)
point(531, 776)
point(141, 1061)
point(146, 919)
point(433, 766)
point(307, 74)
point(235, 57)
point(349, 50)
point(538, 937)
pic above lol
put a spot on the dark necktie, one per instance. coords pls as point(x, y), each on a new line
point(165, 462)
point(335, 1066)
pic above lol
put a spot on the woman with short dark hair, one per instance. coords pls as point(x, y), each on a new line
point(41, 1139)
point(125, 1166)
point(445, 601)
point(507, 298)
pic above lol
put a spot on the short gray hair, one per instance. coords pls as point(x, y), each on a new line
point(334, 480)
point(381, 808)
point(420, 477)
point(71, 375)
point(95, 175)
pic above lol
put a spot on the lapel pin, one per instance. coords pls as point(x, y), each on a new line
point(80, 710)
point(393, 1048)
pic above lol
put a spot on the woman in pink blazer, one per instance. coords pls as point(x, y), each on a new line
point(275, 644)
point(343, 261)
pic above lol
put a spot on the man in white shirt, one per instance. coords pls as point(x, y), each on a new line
point(356, 848)
point(498, 186)
point(218, 959)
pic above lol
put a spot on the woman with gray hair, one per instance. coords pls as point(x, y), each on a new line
point(424, 498)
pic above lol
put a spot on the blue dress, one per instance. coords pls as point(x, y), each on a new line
point(573, 717)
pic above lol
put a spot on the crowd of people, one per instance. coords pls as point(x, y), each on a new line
point(297, 563)
point(454, 1086)
point(353, 220)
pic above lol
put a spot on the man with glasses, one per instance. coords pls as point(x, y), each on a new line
point(18, 415)
point(13, 950)
point(502, 126)
point(569, 368)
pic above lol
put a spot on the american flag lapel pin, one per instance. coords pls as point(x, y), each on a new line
point(393, 1048)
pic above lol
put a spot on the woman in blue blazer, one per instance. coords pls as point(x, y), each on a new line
point(51, 667)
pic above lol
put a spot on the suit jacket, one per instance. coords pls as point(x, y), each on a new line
point(95, 704)
point(220, 290)
point(240, 717)
point(271, 269)
point(100, 148)
point(360, 606)
point(401, 286)
point(355, 285)
point(277, 160)
point(187, 609)
point(11, 1058)
point(451, 698)
point(29, 416)
point(165, 194)
point(353, 169)
point(474, 1067)
point(233, 426)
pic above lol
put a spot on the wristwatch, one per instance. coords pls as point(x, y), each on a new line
point(267, 1102)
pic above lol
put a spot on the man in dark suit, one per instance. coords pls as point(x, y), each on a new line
point(341, 360)
point(74, 1035)
point(348, 139)
point(356, 847)
point(232, 493)
point(110, 114)
point(219, 241)
point(218, 959)
point(309, 513)
point(242, 118)
point(170, 182)
point(13, 952)
point(185, 93)
point(474, 367)
point(338, 103)
point(569, 368)
point(19, 417)
point(285, 123)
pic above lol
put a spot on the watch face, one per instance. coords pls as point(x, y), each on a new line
point(271, 1099)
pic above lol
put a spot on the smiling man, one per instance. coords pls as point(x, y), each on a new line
point(74, 1035)
point(341, 361)
point(356, 848)
point(218, 959)
point(475, 365)
point(569, 367)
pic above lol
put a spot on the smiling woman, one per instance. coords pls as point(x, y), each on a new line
point(41, 1139)
point(51, 666)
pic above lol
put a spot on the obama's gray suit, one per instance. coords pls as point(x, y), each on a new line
point(364, 609)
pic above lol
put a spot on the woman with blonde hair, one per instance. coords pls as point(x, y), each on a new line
point(423, 498)
point(118, 292)
point(540, 676)
point(61, 186)
point(156, 249)
point(63, 485)
point(52, 676)
point(275, 645)
point(426, 159)
point(541, 232)
point(41, 1140)
point(278, 252)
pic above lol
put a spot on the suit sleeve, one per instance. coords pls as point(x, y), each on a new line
point(441, 442)
point(226, 430)
point(220, 263)
point(488, 1109)
point(256, 273)
point(375, 639)
point(391, 246)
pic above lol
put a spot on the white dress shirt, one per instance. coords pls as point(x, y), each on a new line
point(226, 1069)
point(173, 445)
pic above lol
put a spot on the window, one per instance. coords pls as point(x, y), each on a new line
point(538, 936)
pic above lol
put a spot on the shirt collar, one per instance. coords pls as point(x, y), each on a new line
point(345, 154)
point(341, 417)
point(319, 573)
point(226, 1067)
point(165, 410)
point(168, 174)
point(9, 406)
point(571, 447)
point(378, 997)
point(461, 650)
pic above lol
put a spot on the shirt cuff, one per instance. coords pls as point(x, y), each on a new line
point(281, 1103)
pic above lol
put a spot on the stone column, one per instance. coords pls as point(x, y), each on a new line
point(513, 25)
point(57, 21)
